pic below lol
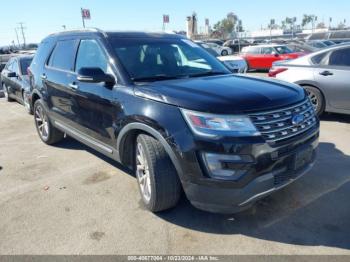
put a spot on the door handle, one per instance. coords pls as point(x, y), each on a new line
point(326, 73)
point(43, 77)
point(73, 86)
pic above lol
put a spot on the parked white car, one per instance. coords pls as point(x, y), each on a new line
point(235, 63)
point(221, 50)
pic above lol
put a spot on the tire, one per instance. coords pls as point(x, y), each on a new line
point(46, 131)
point(316, 98)
point(6, 93)
point(224, 52)
point(26, 104)
point(158, 181)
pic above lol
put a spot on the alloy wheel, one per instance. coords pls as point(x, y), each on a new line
point(143, 173)
point(41, 122)
point(313, 99)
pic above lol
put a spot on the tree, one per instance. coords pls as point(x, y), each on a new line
point(227, 25)
point(321, 25)
point(307, 19)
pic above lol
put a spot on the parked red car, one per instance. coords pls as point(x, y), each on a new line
point(262, 56)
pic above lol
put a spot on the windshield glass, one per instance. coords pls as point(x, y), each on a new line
point(283, 50)
point(25, 63)
point(152, 59)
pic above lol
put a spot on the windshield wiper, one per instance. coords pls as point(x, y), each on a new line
point(208, 73)
point(154, 78)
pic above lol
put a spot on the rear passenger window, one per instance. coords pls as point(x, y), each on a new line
point(340, 57)
point(317, 59)
point(63, 55)
point(90, 54)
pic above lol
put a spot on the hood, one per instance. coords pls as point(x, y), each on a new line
point(225, 94)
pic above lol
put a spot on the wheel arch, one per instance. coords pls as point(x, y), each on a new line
point(128, 135)
point(34, 97)
point(303, 84)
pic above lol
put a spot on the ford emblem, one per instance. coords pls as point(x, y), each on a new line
point(297, 119)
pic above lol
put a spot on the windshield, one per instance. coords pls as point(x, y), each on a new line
point(25, 63)
point(152, 59)
point(283, 50)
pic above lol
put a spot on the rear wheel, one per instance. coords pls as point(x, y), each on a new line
point(157, 178)
point(47, 132)
point(316, 99)
point(224, 52)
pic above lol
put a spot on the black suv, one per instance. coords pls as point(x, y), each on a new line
point(173, 114)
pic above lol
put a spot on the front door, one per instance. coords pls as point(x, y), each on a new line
point(93, 103)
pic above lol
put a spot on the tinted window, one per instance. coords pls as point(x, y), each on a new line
point(90, 54)
point(9, 65)
point(340, 57)
point(267, 50)
point(25, 63)
point(251, 50)
point(283, 50)
point(63, 55)
point(316, 60)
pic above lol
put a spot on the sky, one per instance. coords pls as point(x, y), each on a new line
point(42, 17)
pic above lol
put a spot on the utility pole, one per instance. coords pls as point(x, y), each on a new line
point(19, 44)
point(22, 30)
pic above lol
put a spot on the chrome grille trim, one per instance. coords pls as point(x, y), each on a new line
point(276, 125)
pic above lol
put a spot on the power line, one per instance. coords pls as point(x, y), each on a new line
point(22, 30)
point(19, 45)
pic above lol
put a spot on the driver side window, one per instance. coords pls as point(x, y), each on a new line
point(90, 54)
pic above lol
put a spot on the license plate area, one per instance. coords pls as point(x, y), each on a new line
point(301, 158)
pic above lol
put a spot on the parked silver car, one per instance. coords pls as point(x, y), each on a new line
point(325, 75)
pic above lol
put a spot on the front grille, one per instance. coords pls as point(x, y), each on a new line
point(277, 126)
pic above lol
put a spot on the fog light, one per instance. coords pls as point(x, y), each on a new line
point(217, 165)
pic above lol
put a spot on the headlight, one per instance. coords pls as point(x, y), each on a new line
point(211, 125)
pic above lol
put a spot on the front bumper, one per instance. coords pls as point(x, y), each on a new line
point(270, 172)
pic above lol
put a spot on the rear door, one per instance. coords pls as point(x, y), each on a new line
point(13, 83)
point(57, 77)
point(333, 76)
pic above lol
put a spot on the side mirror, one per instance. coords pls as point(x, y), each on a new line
point(95, 75)
point(11, 74)
point(275, 54)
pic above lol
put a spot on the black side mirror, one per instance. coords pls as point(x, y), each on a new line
point(11, 74)
point(95, 75)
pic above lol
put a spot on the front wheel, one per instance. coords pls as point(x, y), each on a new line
point(47, 132)
point(157, 178)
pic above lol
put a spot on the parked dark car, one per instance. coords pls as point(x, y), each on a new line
point(14, 80)
point(325, 75)
point(174, 115)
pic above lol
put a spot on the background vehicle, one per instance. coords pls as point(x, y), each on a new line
point(301, 48)
point(172, 113)
point(236, 64)
point(14, 80)
point(221, 50)
point(236, 45)
point(324, 74)
point(215, 41)
point(262, 56)
point(317, 44)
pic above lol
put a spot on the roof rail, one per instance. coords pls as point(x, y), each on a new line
point(80, 30)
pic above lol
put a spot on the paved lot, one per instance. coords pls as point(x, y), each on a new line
point(68, 199)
